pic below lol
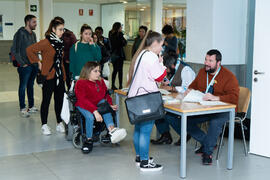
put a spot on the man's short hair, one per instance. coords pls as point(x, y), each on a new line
point(99, 28)
point(169, 59)
point(28, 17)
point(215, 52)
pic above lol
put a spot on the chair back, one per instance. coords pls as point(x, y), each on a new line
point(244, 99)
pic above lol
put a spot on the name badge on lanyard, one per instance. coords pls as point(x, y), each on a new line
point(212, 81)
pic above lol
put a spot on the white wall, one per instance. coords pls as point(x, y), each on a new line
point(110, 14)
point(230, 28)
point(199, 29)
point(70, 12)
point(13, 12)
point(217, 24)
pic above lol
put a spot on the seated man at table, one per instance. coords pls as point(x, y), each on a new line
point(179, 77)
point(218, 84)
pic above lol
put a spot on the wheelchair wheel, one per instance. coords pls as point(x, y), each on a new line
point(77, 140)
point(69, 131)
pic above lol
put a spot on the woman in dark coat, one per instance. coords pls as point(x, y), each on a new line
point(118, 42)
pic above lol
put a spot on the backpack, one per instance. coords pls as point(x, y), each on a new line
point(13, 60)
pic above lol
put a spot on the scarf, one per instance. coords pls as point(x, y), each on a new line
point(58, 46)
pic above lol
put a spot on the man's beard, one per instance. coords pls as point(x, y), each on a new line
point(32, 27)
point(211, 70)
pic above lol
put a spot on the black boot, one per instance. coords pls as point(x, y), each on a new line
point(87, 146)
point(114, 87)
point(165, 138)
point(178, 143)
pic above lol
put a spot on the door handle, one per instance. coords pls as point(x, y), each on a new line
point(257, 72)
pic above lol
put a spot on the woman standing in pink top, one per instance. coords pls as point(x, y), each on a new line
point(150, 71)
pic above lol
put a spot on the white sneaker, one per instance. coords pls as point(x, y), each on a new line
point(33, 109)
point(60, 128)
point(46, 130)
point(25, 113)
point(117, 135)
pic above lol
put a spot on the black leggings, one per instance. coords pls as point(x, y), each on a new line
point(118, 67)
point(49, 87)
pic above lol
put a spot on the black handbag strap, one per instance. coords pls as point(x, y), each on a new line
point(136, 72)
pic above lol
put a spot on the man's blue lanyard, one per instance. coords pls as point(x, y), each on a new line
point(176, 68)
point(212, 81)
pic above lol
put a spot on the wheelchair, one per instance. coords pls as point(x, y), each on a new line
point(75, 129)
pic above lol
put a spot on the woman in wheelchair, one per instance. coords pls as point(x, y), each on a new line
point(91, 93)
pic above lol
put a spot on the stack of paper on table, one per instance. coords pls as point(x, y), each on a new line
point(197, 97)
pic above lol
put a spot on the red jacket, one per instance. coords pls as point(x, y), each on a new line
point(89, 94)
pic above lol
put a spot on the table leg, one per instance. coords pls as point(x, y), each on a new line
point(183, 146)
point(231, 140)
point(118, 111)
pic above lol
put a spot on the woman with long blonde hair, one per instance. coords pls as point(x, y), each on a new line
point(150, 71)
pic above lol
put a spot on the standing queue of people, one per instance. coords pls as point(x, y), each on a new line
point(82, 61)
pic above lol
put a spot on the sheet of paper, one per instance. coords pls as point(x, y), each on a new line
point(164, 91)
point(212, 103)
point(194, 96)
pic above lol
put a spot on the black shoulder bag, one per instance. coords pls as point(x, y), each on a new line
point(144, 107)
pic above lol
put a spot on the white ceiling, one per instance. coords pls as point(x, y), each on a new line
point(115, 1)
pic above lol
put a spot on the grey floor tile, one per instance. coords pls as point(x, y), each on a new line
point(25, 154)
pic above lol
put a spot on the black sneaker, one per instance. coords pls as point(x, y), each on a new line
point(138, 160)
point(148, 166)
point(199, 151)
point(206, 159)
point(87, 146)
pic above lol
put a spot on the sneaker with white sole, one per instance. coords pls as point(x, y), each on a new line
point(33, 110)
point(60, 128)
point(150, 166)
point(45, 129)
point(117, 135)
point(25, 113)
point(138, 160)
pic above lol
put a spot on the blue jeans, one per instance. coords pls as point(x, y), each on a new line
point(162, 126)
point(89, 120)
point(209, 140)
point(141, 138)
point(27, 77)
point(174, 121)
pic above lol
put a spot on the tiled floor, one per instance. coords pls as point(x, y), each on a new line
point(25, 154)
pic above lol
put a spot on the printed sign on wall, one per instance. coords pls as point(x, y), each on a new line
point(91, 12)
point(80, 12)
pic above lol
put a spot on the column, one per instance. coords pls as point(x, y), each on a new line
point(32, 7)
point(46, 15)
point(217, 24)
point(156, 15)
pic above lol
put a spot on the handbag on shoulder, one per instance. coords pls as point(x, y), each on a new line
point(144, 107)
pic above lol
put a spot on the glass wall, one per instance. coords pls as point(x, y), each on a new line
point(136, 14)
